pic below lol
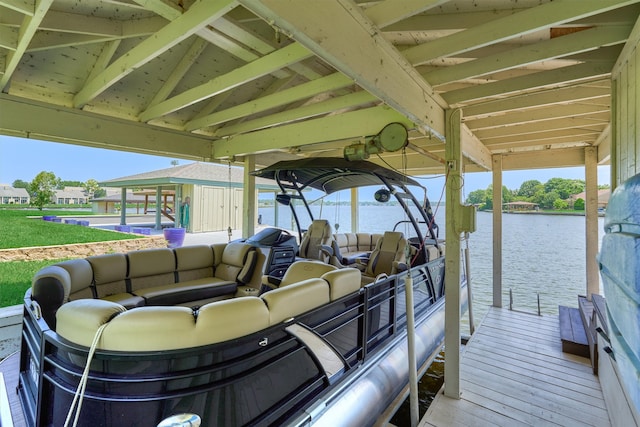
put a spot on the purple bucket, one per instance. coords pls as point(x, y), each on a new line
point(174, 237)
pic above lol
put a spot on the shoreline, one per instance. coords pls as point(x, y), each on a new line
point(577, 213)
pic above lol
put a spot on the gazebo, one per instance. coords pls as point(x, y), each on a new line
point(213, 193)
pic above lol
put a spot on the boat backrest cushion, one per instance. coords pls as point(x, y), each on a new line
point(150, 329)
point(389, 251)
point(342, 282)
point(348, 242)
point(79, 320)
point(237, 264)
point(50, 289)
point(109, 273)
point(80, 278)
point(364, 242)
point(295, 299)
point(305, 269)
point(318, 235)
point(218, 250)
point(233, 318)
point(194, 262)
point(151, 267)
point(353, 243)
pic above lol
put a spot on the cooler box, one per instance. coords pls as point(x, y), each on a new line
point(619, 260)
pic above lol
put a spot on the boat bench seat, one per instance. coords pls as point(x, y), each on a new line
point(349, 247)
point(341, 281)
point(156, 277)
point(155, 328)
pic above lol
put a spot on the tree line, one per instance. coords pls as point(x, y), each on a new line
point(42, 189)
point(553, 194)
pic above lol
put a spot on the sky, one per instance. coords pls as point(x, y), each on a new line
point(23, 159)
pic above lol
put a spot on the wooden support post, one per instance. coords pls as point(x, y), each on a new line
point(123, 206)
point(249, 198)
point(158, 208)
point(355, 226)
point(591, 219)
point(497, 230)
point(453, 258)
point(177, 207)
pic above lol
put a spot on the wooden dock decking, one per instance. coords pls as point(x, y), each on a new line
point(514, 373)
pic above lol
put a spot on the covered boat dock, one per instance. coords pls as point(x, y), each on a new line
point(492, 86)
point(514, 373)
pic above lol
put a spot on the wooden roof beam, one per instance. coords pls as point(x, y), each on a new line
point(27, 30)
point(543, 159)
point(71, 126)
point(389, 12)
point(537, 115)
point(194, 19)
point(303, 91)
point(561, 76)
point(347, 126)
point(370, 60)
point(558, 47)
point(495, 31)
point(25, 7)
point(248, 72)
point(299, 113)
point(544, 98)
point(550, 124)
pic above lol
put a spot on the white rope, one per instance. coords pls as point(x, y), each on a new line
point(79, 395)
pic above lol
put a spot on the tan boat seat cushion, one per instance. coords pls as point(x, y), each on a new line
point(81, 276)
point(194, 262)
point(151, 267)
point(151, 328)
point(233, 318)
point(110, 279)
point(79, 320)
point(238, 262)
point(295, 299)
point(342, 282)
point(303, 270)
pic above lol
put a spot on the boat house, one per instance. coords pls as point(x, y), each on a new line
point(214, 192)
point(495, 85)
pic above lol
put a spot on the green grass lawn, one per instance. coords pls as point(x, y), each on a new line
point(20, 231)
point(17, 230)
point(15, 279)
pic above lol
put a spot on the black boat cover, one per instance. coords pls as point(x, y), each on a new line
point(330, 174)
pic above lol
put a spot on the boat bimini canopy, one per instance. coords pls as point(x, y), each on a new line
point(331, 174)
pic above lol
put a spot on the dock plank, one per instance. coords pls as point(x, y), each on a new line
point(513, 372)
